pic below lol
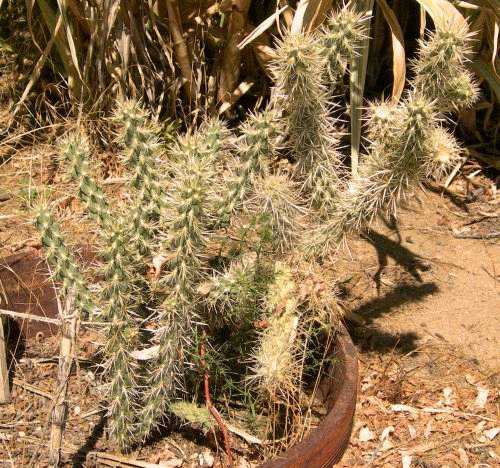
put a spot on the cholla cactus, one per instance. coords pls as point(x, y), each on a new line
point(75, 149)
point(140, 139)
point(241, 294)
point(444, 153)
point(277, 205)
point(275, 366)
point(187, 200)
point(440, 71)
point(122, 334)
point(64, 267)
point(341, 37)
point(256, 147)
point(395, 164)
point(305, 101)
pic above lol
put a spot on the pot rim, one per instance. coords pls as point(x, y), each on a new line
point(325, 445)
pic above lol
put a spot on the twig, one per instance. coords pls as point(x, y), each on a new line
point(70, 325)
point(454, 173)
point(37, 318)
point(55, 321)
point(208, 400)
point(93, 412)
point(114, 460)
point(4, 371)
point(464, 235)
point(32, 388)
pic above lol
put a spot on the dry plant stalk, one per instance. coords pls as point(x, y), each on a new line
point(4, 371)
point(69, 330)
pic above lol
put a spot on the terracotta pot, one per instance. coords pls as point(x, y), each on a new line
point(25, 282)
point(326, 444)
point(26, 288)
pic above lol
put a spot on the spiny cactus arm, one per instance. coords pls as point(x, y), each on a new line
point(299, 68)
point(165, 374)
point(64, 266)
point(186, 238)
point(216, 136)
point(256, 147)
point(121, 335)
point(275, 367)
point(75, 149)
point(234, 288)
point(276, 203)
point(397, 162)
point(444, 153)
point(440, 68)
point(139, 137)
point(341, 37)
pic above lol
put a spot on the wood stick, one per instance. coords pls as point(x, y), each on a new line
point(37, 318)
point(4, 371)
point(108, 459)
point(70, 325)
point(31, 388)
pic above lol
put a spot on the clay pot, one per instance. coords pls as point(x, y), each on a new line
point(26, 288)
point(25, 282)
point(326, 444)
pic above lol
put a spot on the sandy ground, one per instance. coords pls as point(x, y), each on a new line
point(417, 279)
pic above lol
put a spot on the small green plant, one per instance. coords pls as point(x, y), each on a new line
point(225, 219)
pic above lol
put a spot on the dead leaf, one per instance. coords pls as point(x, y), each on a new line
point(442, 12)
point(412, 431)
point(398, 50)
point(428, 429)
point(448, 396)
point(406, 460)
point(365, 434)
point(146, 354)
point(482, 397)
point(492, 433)
point(464, 458)
point(404, 409)
point(386, 432)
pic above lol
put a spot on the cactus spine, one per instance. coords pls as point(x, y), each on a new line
point(256, 147)
point(65, 269)
point(305, 101)
point(187, 202)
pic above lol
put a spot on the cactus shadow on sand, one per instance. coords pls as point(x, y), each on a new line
point(375, 338)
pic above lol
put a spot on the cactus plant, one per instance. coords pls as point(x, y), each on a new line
point(305, 102)
point(342, 36)
point(220, 214)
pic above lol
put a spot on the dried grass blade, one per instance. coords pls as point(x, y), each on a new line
point(398, 50)
point(442, 12)
point(262, 27)
point(357, 86)
point(35, 74)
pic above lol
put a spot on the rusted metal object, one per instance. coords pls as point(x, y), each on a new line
point(25, 286)
point(326, 444)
